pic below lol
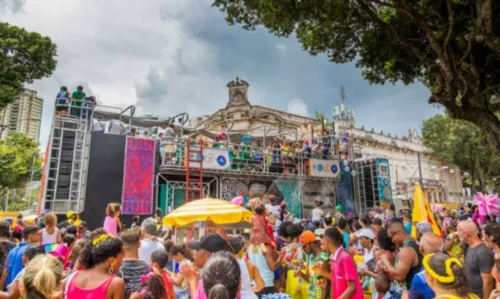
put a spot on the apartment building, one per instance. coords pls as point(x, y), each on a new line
point(23, 115)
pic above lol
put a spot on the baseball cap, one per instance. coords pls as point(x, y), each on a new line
point(320, 232)
point(210, 242)
point(366, 233)
point(424, 227)
point(307, 237)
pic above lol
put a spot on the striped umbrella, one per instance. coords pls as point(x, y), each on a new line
point(208, 209)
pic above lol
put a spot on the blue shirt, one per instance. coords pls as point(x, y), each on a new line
point(14, 262)
point(407, 226)
point(419, 288)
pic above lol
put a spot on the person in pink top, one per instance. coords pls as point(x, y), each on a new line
point(110, 222)
point(101, 257)
point(344, 276)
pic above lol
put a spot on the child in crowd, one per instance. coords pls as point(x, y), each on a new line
point(50, 234)
point(110, 223)
point(179, 253)
point(42, 278)
point(159, 260)
point(102, 258)
point(74, 256)
point(132, 267)
point(30, 253)
point(153, 287)
point(221, 267)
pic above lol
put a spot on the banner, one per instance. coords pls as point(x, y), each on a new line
point(138, 176)
point(384, 181)
point(213, 158)
point(324, 168)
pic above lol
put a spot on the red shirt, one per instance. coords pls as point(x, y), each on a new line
point(343, 270)
point(168, 284)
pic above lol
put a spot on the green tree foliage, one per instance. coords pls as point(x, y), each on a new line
point(24, 57)
point(452, 46)
point(16, 161)
point(461, 143)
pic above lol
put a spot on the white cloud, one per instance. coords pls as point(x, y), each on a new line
point(299, 107)
point(146, 56)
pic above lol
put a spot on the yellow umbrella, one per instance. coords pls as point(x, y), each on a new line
point(208, 209)
point(422, 212)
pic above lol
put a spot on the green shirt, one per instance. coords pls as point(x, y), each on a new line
point(316, 282)
point(77, 98)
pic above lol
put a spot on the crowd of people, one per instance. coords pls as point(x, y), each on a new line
point(367, 256)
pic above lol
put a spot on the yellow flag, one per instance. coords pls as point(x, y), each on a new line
point(422, 212)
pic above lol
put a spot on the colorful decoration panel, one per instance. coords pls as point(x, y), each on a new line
point(138, 176)
point(232, 187)
point(213, 158)
point(324, 168)
point(384, 181)
point(345, 191)
point(291, 194)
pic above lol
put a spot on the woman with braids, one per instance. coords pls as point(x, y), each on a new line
point(101, 257)
point(445, 276)
point(42, 278)
point(221, 276)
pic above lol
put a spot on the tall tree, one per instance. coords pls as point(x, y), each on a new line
point(452, 46)
point(24, 57)
point(460, 143)
point(19, 157)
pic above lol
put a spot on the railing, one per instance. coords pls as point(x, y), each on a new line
point(82, 111)
point(295, 160)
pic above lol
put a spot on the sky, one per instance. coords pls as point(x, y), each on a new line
point(173, 56)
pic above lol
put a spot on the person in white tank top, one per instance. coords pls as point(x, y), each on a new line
point(50, 234)
point(249, 272)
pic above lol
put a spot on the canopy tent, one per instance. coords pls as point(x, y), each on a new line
point(214, 210)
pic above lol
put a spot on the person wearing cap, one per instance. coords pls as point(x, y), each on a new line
point(317, 213)
point(202, 251)
point(367, 240)
point(310, 246)
point(73, 218)
point(339, 212)
point(77, 98)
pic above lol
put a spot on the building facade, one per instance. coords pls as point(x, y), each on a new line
point(239, 117)
point(23, 115)
point(441, 182)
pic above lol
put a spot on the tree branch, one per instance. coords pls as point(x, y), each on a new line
point(451, 19)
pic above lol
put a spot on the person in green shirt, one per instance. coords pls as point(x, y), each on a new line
point(77, 98)
point(315, 260)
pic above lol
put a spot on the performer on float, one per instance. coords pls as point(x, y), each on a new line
point(245, 151)
point(276, 150)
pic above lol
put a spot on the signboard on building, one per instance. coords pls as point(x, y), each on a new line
point(213, 158)
point(324, 168)
point(384, 181)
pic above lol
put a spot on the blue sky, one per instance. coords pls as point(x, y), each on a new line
point(170, 56)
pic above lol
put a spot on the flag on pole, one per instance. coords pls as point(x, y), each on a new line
point(422, 212)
